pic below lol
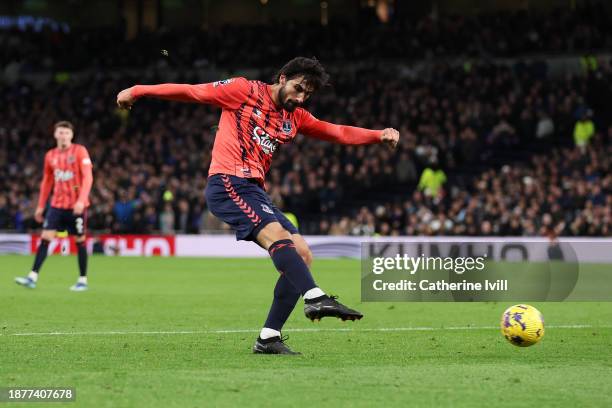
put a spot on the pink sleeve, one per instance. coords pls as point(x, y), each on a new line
point(46, 184)
point(87, 181)
point(318, 129)
point(227, 94)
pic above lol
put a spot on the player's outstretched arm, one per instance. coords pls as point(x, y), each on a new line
point(319, 129)
point(227, 94)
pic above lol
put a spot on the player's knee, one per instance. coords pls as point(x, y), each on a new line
point(306, 255)
point(272, 233)
point(302, 248)
point(279, 233)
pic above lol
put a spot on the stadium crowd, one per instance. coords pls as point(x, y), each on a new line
point(566, 194)
point(502, 34)
point(476, 125)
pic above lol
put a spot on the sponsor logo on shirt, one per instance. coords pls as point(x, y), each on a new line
point(267, 144)
point(222, 82)
point(63, 175)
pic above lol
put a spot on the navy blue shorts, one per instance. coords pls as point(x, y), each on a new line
point(60, 219)
point(244, 205)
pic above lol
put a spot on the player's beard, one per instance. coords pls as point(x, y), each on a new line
point(287, 104)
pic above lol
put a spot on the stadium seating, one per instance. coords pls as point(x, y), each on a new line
point(503, 134)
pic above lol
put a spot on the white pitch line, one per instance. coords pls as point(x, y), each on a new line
point(230, 331)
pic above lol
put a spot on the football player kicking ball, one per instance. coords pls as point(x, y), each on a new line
point(68, 171)
point(255, 119)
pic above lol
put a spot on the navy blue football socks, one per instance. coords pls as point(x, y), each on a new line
point(82, 258)
point(295, 280)
point(290, 264)
point(285, 298)
point(41, 254)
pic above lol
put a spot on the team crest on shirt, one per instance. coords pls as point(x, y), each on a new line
point(286, 126)
point(267, 209)
point(267, 144)
point(222, 82)
point(71, 159)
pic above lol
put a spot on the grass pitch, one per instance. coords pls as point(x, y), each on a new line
point(175, 332)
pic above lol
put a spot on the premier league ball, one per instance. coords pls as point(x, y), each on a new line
point(522, 325)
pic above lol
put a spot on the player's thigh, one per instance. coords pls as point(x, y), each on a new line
point(300, 244)
point(284, 221)
point(48, 234)
point(302, 247)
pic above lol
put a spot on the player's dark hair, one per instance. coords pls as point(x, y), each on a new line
point(64, 124)
point(310, 68)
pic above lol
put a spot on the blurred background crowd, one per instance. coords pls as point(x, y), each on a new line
point(489, 145)
point(498, 33)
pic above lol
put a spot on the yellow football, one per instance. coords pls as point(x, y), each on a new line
point(522, 325)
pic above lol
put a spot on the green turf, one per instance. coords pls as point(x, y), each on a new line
point(424, 368)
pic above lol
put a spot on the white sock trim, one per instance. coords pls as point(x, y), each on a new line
point(33, 275)
point(82, 279)
point(267, 333)
point(313, 293)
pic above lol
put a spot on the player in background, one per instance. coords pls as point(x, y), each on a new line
point(257, 118)
point(68, 171)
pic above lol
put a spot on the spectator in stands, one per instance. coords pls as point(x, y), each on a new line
point(124, 210)
point(166, 220)
point(4, 213)
point(584, 130)
point(432, 179)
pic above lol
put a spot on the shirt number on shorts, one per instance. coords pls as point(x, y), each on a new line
point(79, 225)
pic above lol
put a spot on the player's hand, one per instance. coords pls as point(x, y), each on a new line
point(390, 137)
point(38, 215)
point(125, 100)
point(78, 208)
